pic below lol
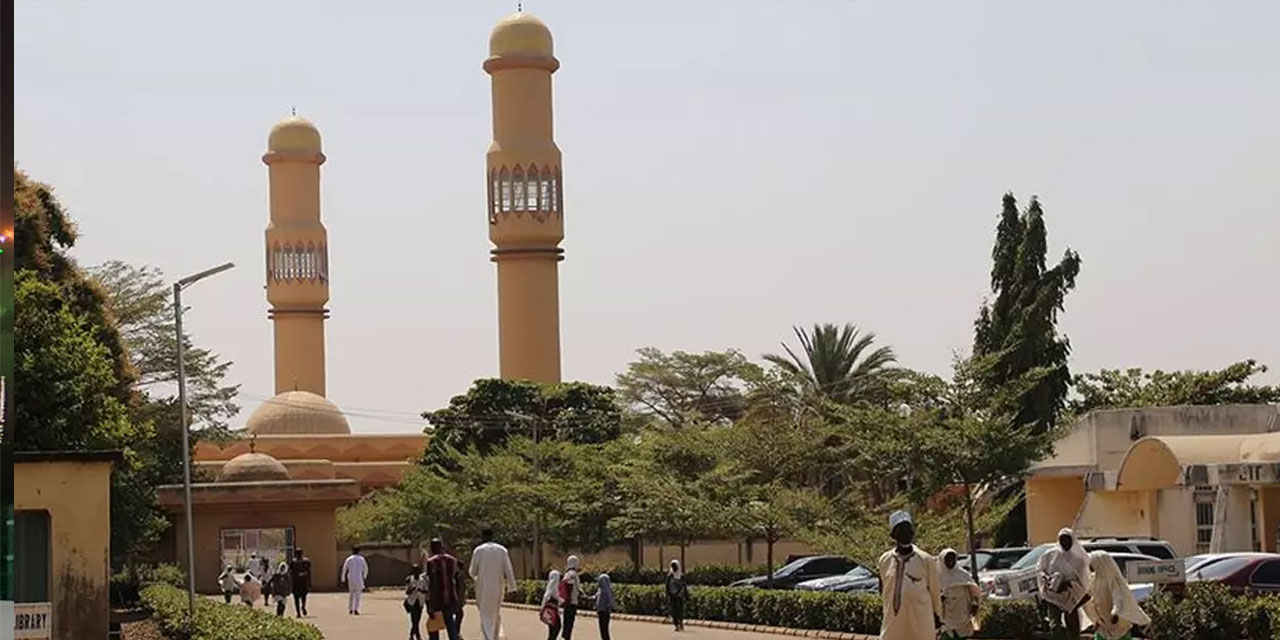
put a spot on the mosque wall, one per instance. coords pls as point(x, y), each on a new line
point(76, 495)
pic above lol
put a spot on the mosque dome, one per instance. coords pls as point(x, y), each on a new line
point(252, 467)
point(297, 413)
point(294, 134)
point(520, 34)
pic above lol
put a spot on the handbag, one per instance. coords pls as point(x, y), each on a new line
point(550, 614)
point(435, 623)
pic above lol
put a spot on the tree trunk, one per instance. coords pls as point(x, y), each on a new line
point(768, 555)
point(684, 567)
point(968, 523)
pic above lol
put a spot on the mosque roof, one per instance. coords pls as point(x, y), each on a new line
point(298, 413)
point(294, 134)
point(252, 467)
point(520, 34)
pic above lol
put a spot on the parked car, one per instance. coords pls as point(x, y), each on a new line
point(857, 579)
point(1219, 567)
point(808, 568)
point(996, 583)
point(996, 559)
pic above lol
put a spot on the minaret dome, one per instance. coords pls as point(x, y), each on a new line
point(520, 34)
point(294, 134)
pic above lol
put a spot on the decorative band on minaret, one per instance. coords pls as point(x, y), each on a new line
point(297, 257)
point(525, 203)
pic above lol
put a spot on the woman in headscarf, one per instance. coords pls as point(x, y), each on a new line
point(1111, 606)
point(250, 589)
point(677, 594)
point(228, 583)
point(280, 587)
point(569, 587)
point(604, 603)
point(960, 596)
point(550, 614)
point(1063, 580)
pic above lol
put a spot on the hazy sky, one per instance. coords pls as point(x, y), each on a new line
point(731, 169)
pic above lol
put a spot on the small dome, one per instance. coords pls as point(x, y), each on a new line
point(294, 134)
point(520, 34)
point(252, 467)
point(297, 412)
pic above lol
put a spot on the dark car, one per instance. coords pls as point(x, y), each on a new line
point(996, 559)
point(857, 579)
point(1244, 573)
point(791, 574)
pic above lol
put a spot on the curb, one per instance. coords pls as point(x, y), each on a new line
point(716, 624)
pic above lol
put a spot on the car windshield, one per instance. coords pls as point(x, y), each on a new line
point(1220, 569)
point(984, 559)
point(788, 569)
point(858, 572)
point(1033, 556)
point(1192, 562)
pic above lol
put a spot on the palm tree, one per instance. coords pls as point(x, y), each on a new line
point(837, 363)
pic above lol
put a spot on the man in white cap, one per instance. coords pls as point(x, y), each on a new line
point(908, 585)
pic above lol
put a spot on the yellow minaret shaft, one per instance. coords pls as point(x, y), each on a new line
point(526, 216)
point(297, 256)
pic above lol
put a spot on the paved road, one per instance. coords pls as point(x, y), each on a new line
point(381, 616)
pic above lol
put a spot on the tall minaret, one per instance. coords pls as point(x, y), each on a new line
point(526, 219)
point(297, 255)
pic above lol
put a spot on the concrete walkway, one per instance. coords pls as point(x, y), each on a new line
point(381, 616)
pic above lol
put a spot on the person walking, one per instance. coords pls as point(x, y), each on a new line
point(267, 573)
point(908, 585)
point(355, 569)
point(228, 583)
point(960, 597)
point(1063, 581)
point(444, 572)
point(300, 580)
point(604, 603)
point(550, 612)
point(494, 577)
point(570, 584)
point(280, 587)
point(1111, 606)
point(250, 589)
point(677, 594)
point(415, 599)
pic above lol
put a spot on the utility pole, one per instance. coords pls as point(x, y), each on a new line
point(536, 421)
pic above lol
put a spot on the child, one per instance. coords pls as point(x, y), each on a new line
point(250, 589)
point(604, 603)
point(227, 581)
point(550, 614)
point(960, 596)
point(1111, 606)
point(280, 587)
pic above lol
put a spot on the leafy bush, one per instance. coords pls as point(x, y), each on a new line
point(856, 612)
point(126, 584)
point(1262, 618)
point(218, 621)
point(711, 575)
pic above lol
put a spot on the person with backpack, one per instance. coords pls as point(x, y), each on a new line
point(550, 613)
point(569, 591)
point(677, 594)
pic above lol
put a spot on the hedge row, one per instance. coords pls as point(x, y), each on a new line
point(217, 621)
point(859, 613)
point(127, 584)
point(711, 575)
point(1210, 612)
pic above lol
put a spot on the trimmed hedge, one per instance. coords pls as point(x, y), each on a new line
point(856, 612)
point(217, 621)
point(711, 575)
point(126, 585)
point(1210, 612)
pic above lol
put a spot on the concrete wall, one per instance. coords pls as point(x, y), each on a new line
point(1052, 503)
point(77, 496)
point(706, 552)
point(1115, 513)
point(313, 533)
point(1178, 519)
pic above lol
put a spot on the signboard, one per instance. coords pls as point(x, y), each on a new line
point(1156, 571)
point(1246, 474)
point(1023, 584)
point(32, 620)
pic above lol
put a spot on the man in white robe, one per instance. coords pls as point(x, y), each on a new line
point(490, 567)
point(355, 569)
point(909, 586)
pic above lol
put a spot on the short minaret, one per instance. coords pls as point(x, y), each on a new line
point(526, 217)
point(297, 256)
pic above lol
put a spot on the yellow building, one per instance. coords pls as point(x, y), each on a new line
point(62, 542)
point(1204, 478)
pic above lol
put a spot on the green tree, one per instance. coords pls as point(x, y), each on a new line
point(775, 511)
point(1132, 388)
point(494, 409)
point(836, 363)
point(142, 304)
point(680, 389)
point(1017, 332)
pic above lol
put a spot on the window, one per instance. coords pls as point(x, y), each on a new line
point(1253, 520)
point(531, 189)
point(517, 180)
point(505, 179)
point(1204, 518)
point(1155, 550)
point(1267, 573)
point(32, 557)
point(556, 205)
point(493, 195)
point(276, 545)
point(544, 190)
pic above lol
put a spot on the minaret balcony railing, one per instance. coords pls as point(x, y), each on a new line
point(520, 190)
point(287, 262)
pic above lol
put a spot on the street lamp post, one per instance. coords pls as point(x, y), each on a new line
point(537, 475)
point(182, 409)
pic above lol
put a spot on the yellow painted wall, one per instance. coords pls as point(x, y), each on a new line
point(77, 496)
point(1178, 519)
point(1052, 503)
point(1115, 513)
point(313, 531)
